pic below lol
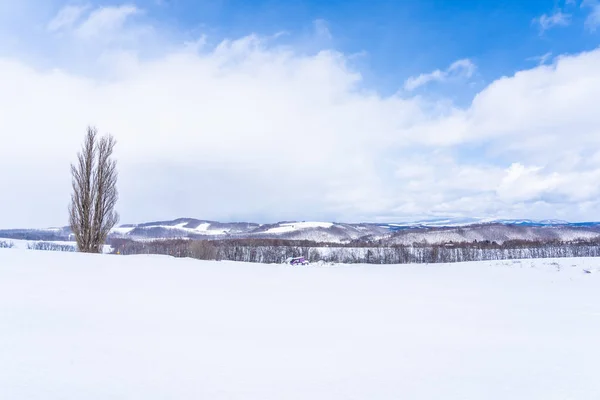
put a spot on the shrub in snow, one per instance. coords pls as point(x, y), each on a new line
point(6, 245)
point(51, 246)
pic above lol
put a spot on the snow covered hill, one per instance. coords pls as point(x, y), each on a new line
point(494, 232)
point(430, 231)
point(79, 326)
point(433, 232)
point(300, 230)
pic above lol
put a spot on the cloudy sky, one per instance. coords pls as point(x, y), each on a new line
point(358, 110)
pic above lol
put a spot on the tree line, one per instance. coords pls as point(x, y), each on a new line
point(278, 250)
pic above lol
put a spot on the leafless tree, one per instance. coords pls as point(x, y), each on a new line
point(94, 181)
point(203, 250)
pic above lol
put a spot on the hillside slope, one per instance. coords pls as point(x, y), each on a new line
point(432, 231)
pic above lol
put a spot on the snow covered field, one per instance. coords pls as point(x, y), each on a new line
point(76, 326)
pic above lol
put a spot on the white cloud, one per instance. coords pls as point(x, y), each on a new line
point(102, 21)
point(558, 18)
point(543, 59)
point(322, 29)
point(67, 17)
point(459, 69)
point(526, 183)
point(248, 129)
point(106, 19)
point(593, 19)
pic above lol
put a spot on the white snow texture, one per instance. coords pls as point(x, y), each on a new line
point(76, 326)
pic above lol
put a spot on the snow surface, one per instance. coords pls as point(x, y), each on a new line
point(80, 326)
point(295, 226)
point(203, 228)
point(122, 230)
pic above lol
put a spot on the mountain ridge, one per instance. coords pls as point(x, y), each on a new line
point(441, 230)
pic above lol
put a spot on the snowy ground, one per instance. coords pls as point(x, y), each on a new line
point(75, 326)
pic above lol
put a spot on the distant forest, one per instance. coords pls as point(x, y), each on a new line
point(278, 250)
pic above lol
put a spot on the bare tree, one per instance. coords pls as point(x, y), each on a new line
point(94, 181)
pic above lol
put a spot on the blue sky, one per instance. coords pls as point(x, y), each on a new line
point(337, 110)
point(392, 40)
point(398, 38)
